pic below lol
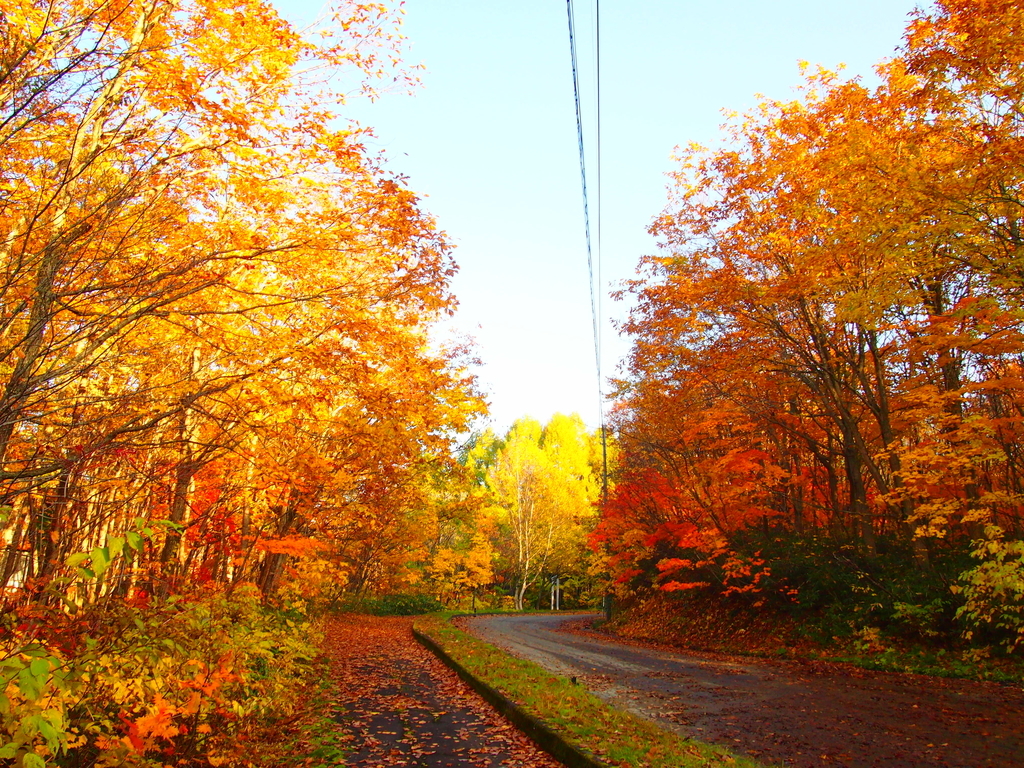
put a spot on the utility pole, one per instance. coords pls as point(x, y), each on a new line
point(556, 593)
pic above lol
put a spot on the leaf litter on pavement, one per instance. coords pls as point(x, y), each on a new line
point(397, 705)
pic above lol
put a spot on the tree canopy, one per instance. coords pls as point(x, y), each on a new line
point(827, 349)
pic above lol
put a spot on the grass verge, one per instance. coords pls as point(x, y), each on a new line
point(614, 737)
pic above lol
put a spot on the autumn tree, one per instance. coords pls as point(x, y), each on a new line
point(542, 483)
point(219, 384)
point(216, 303)
point(828, 343)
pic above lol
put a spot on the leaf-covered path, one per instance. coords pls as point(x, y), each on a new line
point(399, 706)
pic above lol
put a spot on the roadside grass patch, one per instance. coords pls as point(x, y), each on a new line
point(614, 737)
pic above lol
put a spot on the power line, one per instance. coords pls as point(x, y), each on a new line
point(595, 300)
point(600, 282)
point(583, 181)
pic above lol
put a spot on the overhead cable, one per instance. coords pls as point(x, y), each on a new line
point(592, 255)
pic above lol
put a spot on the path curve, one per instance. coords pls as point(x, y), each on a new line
point(782, 713)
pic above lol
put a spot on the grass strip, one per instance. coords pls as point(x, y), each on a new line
point(613, 737)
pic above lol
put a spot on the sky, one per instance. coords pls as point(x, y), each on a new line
point(489, 142)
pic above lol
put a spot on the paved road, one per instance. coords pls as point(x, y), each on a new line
point(783, 713)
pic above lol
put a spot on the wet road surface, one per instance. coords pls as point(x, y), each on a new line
point(782, 713)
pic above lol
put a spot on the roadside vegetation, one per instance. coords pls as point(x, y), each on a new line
point(213, 678)
point(735, 626)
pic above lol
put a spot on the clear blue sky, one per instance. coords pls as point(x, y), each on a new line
point(489, 141)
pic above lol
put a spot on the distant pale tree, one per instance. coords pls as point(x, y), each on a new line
point(542, 482)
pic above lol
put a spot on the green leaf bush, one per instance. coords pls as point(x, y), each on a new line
point(213, 678)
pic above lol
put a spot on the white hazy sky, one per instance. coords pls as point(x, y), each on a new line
point(489, 142)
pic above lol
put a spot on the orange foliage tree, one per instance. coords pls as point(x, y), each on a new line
point(828, 348)
point(215, 304)
point(217, 366)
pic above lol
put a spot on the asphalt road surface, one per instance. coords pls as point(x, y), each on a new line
point(783, 713)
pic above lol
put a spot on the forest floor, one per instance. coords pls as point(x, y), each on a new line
point(808, 714)
point(397, 705)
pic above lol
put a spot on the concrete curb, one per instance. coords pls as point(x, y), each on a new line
point(538, 731)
